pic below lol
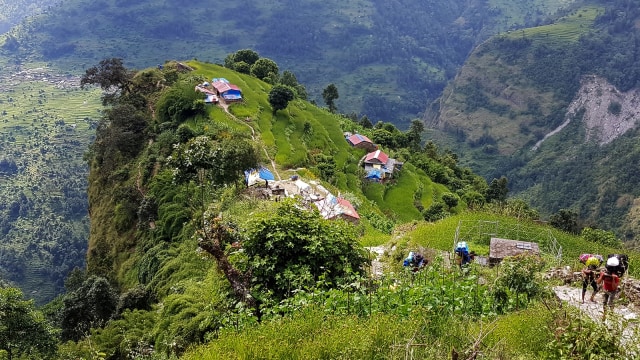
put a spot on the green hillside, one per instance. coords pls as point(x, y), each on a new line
point(378, 53)
point(283, 138)
point(46, 124)
point(185, 260)
point(516, 88)
point(383, 69)
point(12, 12)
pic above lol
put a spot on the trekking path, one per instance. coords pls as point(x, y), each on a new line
point(573, 296)
point(377, 268)
point(225, 107)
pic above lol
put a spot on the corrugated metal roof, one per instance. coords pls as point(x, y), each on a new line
point(377, 156)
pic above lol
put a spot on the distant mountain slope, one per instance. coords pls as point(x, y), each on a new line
point(388, 58)
point(519, 107)
point(46, 124)
point(13, 11)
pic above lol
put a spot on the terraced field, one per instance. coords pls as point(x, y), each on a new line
point(46, 125)
point(567, 29)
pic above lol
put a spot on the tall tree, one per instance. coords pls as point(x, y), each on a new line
point(90, 306)
point(23, 330)
point(414, 134)
point(219, 162)
point(264, 68)
point(246, 55)
point(330, 95)
point(279, 97)
point(112, 76)
point(497, 190)
point(565, 219)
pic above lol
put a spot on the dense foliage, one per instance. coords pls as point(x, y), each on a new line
point(24, 331)
point(352, 44)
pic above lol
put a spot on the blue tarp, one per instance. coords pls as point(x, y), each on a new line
point(374, 174)
point(265, 174)
point(252, 176)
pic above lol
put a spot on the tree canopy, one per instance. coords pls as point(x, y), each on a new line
point(23, 330)
point(279, 97)
point(294, 248)
point(264, 68)
point(330, 95)
point(112, 77)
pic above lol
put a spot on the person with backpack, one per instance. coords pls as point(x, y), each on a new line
point(415, 261)
point(463, 255)
point(589, 277)
point(610, 282)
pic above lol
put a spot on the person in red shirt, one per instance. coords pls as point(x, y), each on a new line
point(610, 282)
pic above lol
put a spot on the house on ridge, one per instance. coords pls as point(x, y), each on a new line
point(361, 142)
point(378, 166)
point(226, 90)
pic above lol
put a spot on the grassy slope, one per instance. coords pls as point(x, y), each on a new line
point(519, 334)
point(282, 137)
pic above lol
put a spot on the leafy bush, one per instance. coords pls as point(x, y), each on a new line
point(295, 247)
point(435, 212)
point(599, 236)
point(577, 338)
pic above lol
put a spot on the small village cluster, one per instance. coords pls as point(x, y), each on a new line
point(219, 88)
point(378, 167)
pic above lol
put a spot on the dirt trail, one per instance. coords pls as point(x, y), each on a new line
point(572, 295)
point(225, 107)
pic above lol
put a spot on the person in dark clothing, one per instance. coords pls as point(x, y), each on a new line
point(589, 277)
point(415, 261)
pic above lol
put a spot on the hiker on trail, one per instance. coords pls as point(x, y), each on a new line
point(462, 254)
point(610, 282)
point(415, 261)
point(589, 277)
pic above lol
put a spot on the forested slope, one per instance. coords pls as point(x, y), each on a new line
point(388, 58)
point(384, 66)
point(518, 87)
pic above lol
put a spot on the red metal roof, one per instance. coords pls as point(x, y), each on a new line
point(356, 139)
point(349, 209)
point(221, 86)
point(377, 157)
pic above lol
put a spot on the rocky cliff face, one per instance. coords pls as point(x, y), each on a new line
point(608, 112)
